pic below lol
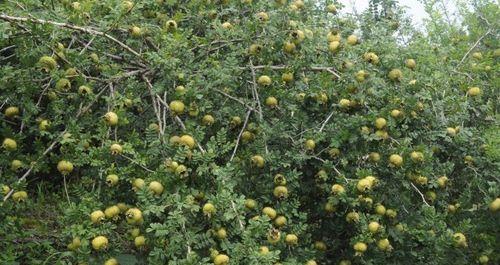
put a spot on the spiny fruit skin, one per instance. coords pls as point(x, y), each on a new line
point(11, 112)
point(208, 120)
point(373, 227)
point(495, 205)
point(460, 240)
point(270, 212)
point(410, 63)
point(111, 212)
point(271, 102)
point(187, 140)
point(344, 103)
point(63, 84)
point(258, 161)
point(47, 63)
point(111, 118)
point(134, 215)
point(221, 233)
point(360, 247)
point(97, 216)
point(380, 123)
point(384, 244)
point(310, 145)
point(139, 241)
point(65, 167)
point(116, 149)
point(280, 192)
point(291, 239)
point(138, 184)
point(19, 196)
point(100, 243)
point(273, 236)
point(208, 209)
point(396, 160)
point(371, 57)
point(395, 75)
point(297, 36)
point(112, 180)
point(417, 156)
point(221, 259)
point(177, 107)
point(16, 164)
point(9, 144)
point(171, 25)
point(474, 91)
point(352, 40)
point(156, 187)
point(264, 80)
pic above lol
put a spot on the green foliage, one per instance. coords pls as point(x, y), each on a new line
point(211, 55)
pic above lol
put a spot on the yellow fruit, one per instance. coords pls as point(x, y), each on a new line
point(417, 156)
point(333, 36)
point(331, 8)
point(345, 262)
point(289, 47)
point(330, 207)
point(19, 196)
point(460, 240)
point(262, 16)
point(374, 157)
point(254, 49)
point(442, 181)
point(156, 187)
point(15, 165)
point(333, 46)
point(477, 55)
point(371, 58)
point(64, 167)
point(271, 102)
point(280, 221)
point(474, 91)
point(297, 36)
point(207, 120)
point(111, 261)
point(227, 25)
point(360, 247)
point(116, 149)
point(483, 259)
point(280, 192)
point(100, 243)
point(221, 259)
point(380, 123)
point(9, 144)
point(337, 189)
point(311, 262)
point(494, 205)
point(138, 184)
point(208, 209)
point(410, 63)
point(122, 206)
point(111, 118)
point(391, 213)
point(352, 217)
point(344, 103)
point(112, 180)
point(135, 31)
point(373, 227)
point(352, 40)
point(171, 25)
point(274, 236)
point(139, 241)
point(451, 131)
point(258, 161)
point(396, 113)
point(384, 244)
point(250, 204)
point(188, 141)
point(380, 209)
point(373, 180)
point(395, 75)
point(320, 245)
point(310, 145)
point(11, 112)
point(43, 125)
point(264, 80)
point(112, 212)
point(270, 212)
point(47, 63)
point(291, 239)
point(361, 75)
point(97, 216)
point(263, 250)
point(63, 84)
point(133, 215)
point(221, 233)
point(177, 107)
point(363, 185)
point(396, 160)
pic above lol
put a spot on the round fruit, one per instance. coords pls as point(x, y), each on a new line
point(483, 259)
point(417, 156)
point(221, 233)
point(64, 167)
point(271, 102)
point(138, 184)
point(274, 236)
point(289, 47)
point(287, 77)
point(112, 212)
point(133, 215)
point(111, 261)
point(258, 161)
point(410, 63)
point(494, 205)
point(207, 120)
point(97, 216)
point(330, 207)
point(395, 75)
point(352, 217)
point(270, 212)
point(396, 160)
point(208, 209)
point(263, 250)
point(442, 181)
point(177, 107)
point(9, 144)
point(344, 103)
point(262, 16)
point(63, 84)
point(333, 46)
point(280, 221)
point(474, 91)
point(19, 196)
point(310, 145)
point(320, 245)
point(250, 204)
point(171, 25)
point(221, 259)
point(331, 8)
point(112, 180)
point(384, 244)
point(100, 243)
point(264, 80)
point(363, 185)
point(116, 149)
point(311, 262)
point(459, 240)
point(374, 157)
point(11, 112)
point(338, 189)
point(352, 40)
point(135, 31)
point(15, 165)
point(360, 247)
point(391, 213)
point(373, 227)
point(371, 58)
point(44, 125)
point(139, 241)
point(47, 63)
point(396, 113)
point(111, 118)
point(380, 123)
point(187, 140)
point(156, 187)
point(451, 131)
point(380, 209)
point(291, 239)
point(5, 189)
point(280, 192)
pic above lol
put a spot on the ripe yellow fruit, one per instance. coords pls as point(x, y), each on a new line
point(483, 259)
point(320, 245)
point(360, 247)
point(291, 239)
point(116, 149)
point(15, 165)
point(133, 215)
point(384, 244)
point(280, 221)
point(250, 204)
point(380, 209)
point(44, 125)
point(258, 161)
point(442, 181)
point(254, 49)
point(111, 118)
point(334, 46)
point(271, 102)
point(373, 227)
point(395, 75)
point(112, 212)
point(361, 75)
point(474, 91)
point(297, 36)
point(111, 261)
point(47, 63)
point(135, 31)
point(209, 209)
point(352, 40)
point(391, 213)
point(63, 84)
point(135, 232)
point(138, 184)
point(396, 113)
point(270, 212)
point(310, 145)
point(410, 63)
point(380, 123)
point(221, 259)
point(451, 131)
point(330, 207)
point(331, 8)
point(477, 55)
point(333, 36)
point(344, 103)
point(395, 160)
point(280, 192)
point(263, 250)
point(374, 157)
point(289, 47)
point(156, 187)
point(364, 185)
point(187, 140)
point(287, 77)
point(112, 180)
point(352, 217)
point(371, 57)
point(20, 196)
point(100, 243)
point(221, 233)
point(97, 216)
point(171, 25)
point(494, 205)
point(9, 144)
point(311, 262)
point(337, 189)
point(11, 112)
point(177, 107)
point(262, 16)
point(207, 120)
point(139, 241)
point(345, 262)
point(264, 80)
point(273, 236)
point(417, 156)
point(64, 167)
point(460, 240)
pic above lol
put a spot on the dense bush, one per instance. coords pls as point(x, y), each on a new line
point(247, 132)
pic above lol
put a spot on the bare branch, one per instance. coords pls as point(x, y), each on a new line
point(241, 133)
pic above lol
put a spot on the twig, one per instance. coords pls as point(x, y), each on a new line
point(234, 98)
point(419, 192)
point(66, 188)
point(326, 121)
point(137, 163)
point(238, 215)
point(239, 135)
point(254, 88)
point(473, 47)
